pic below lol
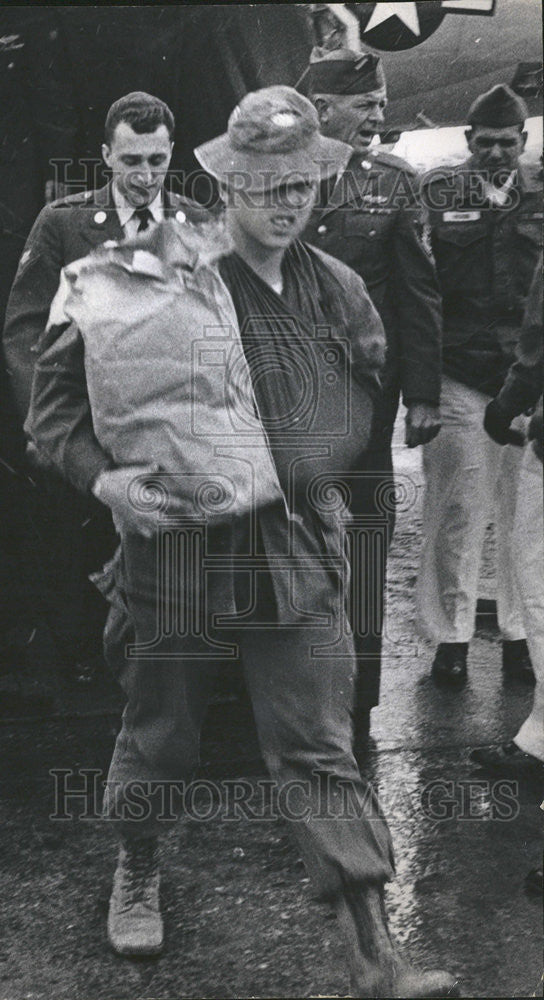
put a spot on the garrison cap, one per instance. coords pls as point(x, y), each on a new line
point(273, 134)
point(341, 71)
point(499, 107)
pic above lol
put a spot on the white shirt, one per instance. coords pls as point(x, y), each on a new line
point(125, 211)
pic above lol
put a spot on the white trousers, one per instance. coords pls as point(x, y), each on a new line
point(470, 482)
point(529, 547)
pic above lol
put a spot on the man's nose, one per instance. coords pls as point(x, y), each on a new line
point(377, 116)
point(496, 152)
point(144, 175)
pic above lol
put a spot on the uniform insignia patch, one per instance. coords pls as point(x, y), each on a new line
point(461, 216)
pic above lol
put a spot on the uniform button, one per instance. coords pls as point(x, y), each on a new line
point(321, 230)
point(181, 217)
point(100, 218)
point(372, 232)
point(366, 164)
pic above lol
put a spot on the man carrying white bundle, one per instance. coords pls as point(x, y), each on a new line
point(295, 337)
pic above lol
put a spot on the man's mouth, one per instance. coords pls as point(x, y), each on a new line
point(146, 193)
point(282, 222)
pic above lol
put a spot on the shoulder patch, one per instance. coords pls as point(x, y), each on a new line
point(390, 160)
point(192, 211)
point(73, 199)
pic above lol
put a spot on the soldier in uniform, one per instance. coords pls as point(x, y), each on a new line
point(78, 533)
point(486, 223)
point(369, 217)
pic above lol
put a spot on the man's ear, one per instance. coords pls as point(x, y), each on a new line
point(524, 136)
point(322, 107)
point(469, 133)
point(106, 154)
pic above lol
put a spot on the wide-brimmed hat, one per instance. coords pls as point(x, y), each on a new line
point(273, 138)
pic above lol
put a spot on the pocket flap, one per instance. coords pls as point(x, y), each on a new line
point(461, 234)
point(365, 226)
point(531, 229)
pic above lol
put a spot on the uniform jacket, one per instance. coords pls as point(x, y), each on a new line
point(371, 220)
point(486, 257)
point(64, 231)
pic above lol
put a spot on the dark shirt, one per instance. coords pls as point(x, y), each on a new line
point(311, 390)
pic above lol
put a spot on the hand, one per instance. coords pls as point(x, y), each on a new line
point(422, 424)
point(497, 424)
point(112, 487)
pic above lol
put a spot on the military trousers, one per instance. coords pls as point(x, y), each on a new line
point(529, 546)
point(372, 505)
point(300, 678)
point(470, 482)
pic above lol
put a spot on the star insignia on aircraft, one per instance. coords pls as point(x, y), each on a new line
point(406, 12)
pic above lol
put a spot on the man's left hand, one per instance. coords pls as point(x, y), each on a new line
point(422, 424)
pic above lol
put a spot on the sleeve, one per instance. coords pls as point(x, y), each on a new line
point(418, 308)
point(35, 285)
point(366, 330)
point(360, 316)
point(523, 385)
point(521, 390)
point(59, 421)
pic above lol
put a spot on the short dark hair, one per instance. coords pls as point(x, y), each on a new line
point(143, 112)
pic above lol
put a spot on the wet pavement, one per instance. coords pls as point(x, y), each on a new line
point(240, 918)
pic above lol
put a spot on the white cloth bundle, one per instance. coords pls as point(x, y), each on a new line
point(166, 373)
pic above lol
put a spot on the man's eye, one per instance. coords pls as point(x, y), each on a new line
point(130, 161)
point(155, 161)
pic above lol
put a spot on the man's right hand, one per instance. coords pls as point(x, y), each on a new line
point(112, 487)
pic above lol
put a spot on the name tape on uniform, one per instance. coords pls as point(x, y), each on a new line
point(461, 216)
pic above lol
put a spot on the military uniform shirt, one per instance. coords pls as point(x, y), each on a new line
point(372, 221)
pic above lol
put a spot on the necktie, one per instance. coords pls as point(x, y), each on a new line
point(144, 217)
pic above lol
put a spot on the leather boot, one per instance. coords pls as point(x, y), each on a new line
point(135, 924)
point(376, 966)
point(450, 664)
point(516, 661)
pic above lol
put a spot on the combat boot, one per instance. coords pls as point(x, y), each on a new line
point(377, 969)
point(135, 924)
